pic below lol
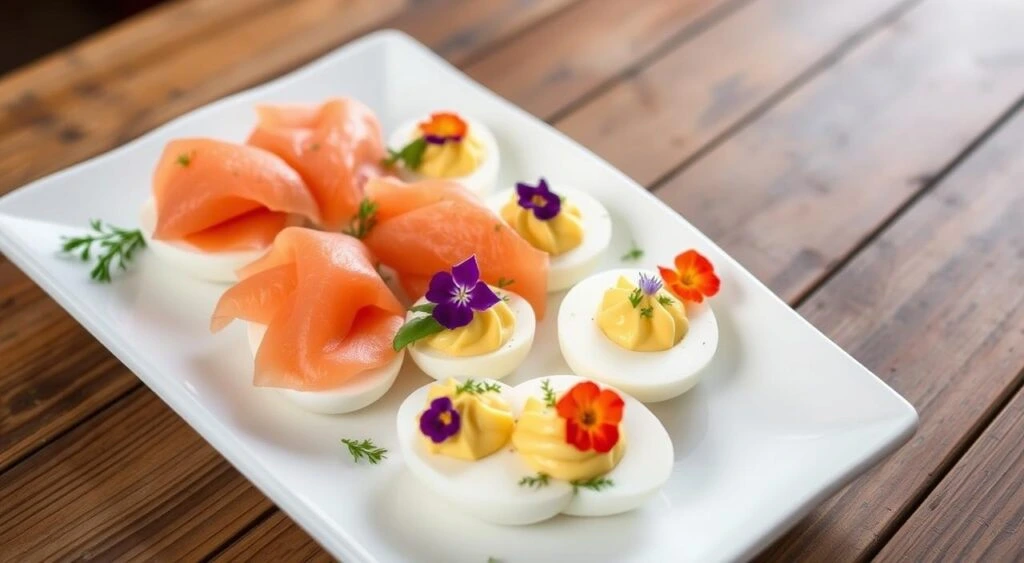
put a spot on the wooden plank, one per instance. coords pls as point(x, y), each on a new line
point(546, 69)
point(977, 511)
point(114, 488)
point(855, 143)
point(43, 398)
point(191, 62)
point(670, 110)
point(935, 307)
point(886, 102)
point(276, 538)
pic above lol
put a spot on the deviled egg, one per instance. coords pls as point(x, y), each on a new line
point(449, 146)
point(568, 224)
point(631, 329)
point(515, 456)
point(361, 392)
point(464, 328)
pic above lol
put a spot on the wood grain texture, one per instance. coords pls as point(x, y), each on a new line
point(977, 512)
point(107, 492)
point(41, 399)
point(935, 307)
point(663, 115)
point(589, 44)
point(276, 538)
point(801, 186)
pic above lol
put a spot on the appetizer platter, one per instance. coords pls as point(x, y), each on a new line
point(422, 321)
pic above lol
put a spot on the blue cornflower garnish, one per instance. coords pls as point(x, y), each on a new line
point(544, 203)
point(441, 421)
point(459, 293)
point(452, 300)
point(649, 284)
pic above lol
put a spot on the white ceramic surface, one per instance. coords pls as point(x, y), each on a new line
point(781, 418)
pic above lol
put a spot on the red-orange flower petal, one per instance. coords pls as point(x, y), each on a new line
point(693, 278)
point(592, 416)
point(443, 126)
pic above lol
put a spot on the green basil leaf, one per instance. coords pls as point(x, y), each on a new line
point(418, 328)
point(424, 308)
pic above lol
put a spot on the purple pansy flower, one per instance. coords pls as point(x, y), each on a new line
point(458, 294)
point(649, 284)
point(544, 203)
point(441, 421)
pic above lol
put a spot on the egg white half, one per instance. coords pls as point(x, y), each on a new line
point(489, 489)
point(567, 269)
point(481, 181)
point(648, 376)
point(363, 391)
point(493, 365)
point(217, 267)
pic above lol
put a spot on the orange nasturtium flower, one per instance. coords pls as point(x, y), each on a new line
point(442, 127)
point(592, 417)
point(693, 279)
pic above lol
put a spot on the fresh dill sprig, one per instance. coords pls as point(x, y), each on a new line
point(115, 246)
point(594, 484)
point(505, 282)
point(549, 393)
point(535, 482)
point(411, 154)
point(647, 311)
point(635, 297)
point(364, 220)
point(361, 449)
point(665, 300)
point(634, 253)
point(474, 387)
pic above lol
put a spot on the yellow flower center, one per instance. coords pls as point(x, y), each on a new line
point(446, 418)
point(538, 200)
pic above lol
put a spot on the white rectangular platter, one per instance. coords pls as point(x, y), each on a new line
point(781, 419)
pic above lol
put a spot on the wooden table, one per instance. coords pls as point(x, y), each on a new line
point(864, 158)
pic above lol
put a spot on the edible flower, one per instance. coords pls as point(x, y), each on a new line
point(441, 421)
point(693, 278)
point(459, 293)
point(443, 127)
point(592, 416)
point(650, 285)
point(544, 203)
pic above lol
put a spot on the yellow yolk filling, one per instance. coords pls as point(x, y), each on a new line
point(558, 235)
point(453, 159)
point(655, 324)
point(539, 438)
point(485, 424)
point(487, 332)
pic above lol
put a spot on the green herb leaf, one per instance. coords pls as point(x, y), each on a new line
point(184, 159)
point(594, 484)
point(633, 254)
point(424, 308)
point(635, 297)
point(417, 328)
point(411, 155)
point(366, 217)
point(665, 300)
point(115, 247)
point(549, 393)
point(503, 283)
point(535, 482)
point(474, 387)
point(647, 311)
point(365, 449)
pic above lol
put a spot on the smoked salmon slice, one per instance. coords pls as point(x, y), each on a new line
point(329, 315)
point(335, 147)
point(426, 227)
point(220, 196)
